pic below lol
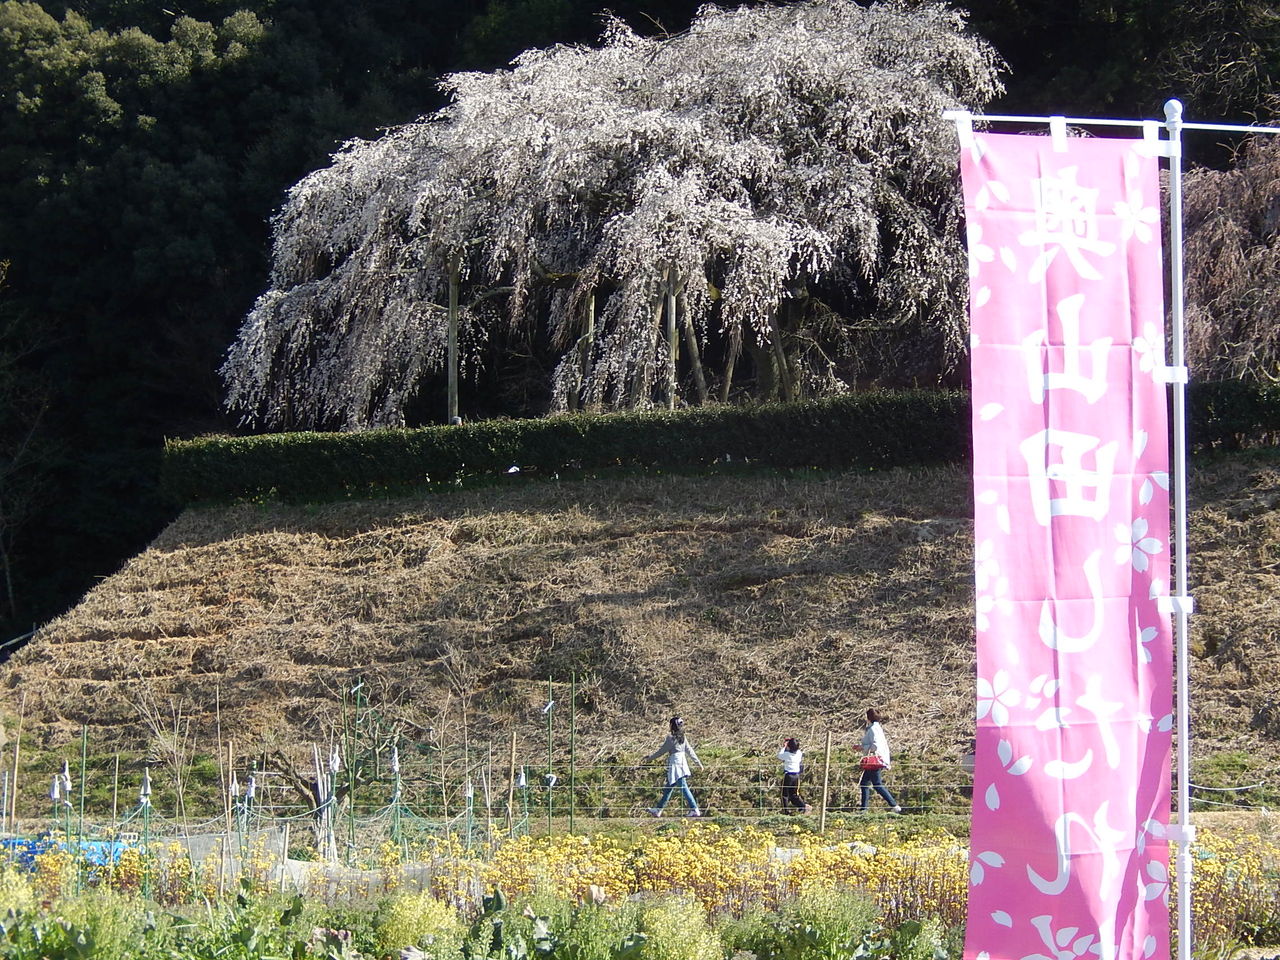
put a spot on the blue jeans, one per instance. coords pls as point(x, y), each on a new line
point(683, 784)
point(870, 779)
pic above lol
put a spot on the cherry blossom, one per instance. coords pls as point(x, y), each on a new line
point(767, 152)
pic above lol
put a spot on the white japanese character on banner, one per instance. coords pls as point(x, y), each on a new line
point(1086, 493)
point(1039, 380)
point(1067, 221)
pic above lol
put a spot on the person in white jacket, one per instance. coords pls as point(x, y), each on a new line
point(876, 744)
point(678, 751)
point(792, 758)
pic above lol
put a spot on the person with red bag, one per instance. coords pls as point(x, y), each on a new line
point(875, 746)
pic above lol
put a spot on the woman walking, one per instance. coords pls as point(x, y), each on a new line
point(678, 751)
point(792, 758)
point(875, 745)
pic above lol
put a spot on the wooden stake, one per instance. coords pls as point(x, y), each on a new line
point(826, 781)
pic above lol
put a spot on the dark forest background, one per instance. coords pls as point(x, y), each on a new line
point(144, 148)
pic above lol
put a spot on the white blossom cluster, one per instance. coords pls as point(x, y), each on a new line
point(766, 150)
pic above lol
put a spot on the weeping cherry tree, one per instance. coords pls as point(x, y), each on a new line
point(772, 190)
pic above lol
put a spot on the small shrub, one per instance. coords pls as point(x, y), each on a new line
point(112, 922)
point(595, 932)
point(677, 929)
point(15, 891)
point(420, 920)
point(820, 924)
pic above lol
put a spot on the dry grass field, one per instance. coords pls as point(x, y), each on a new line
point(751, 604)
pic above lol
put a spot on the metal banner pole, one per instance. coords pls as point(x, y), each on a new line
point(1180, 600)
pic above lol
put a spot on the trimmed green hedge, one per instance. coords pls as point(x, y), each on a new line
point(869, 430)
point(874, 430)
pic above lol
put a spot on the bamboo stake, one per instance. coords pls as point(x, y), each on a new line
point(511, 789)
point(573, 755)
point(17, 749)
point(115, 796)
point(84, 788)
point(284, 856)
point(826, 780)
point(550, 800)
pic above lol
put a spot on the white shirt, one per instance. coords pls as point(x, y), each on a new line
point(790, 761)
point(874, 741)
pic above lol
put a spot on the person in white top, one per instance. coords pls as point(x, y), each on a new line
point(875, 744)
point(792, 758)
point(678, 751)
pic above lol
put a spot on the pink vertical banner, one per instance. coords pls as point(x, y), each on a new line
point(1068, 852)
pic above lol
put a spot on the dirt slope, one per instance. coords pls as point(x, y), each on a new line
point(750, 604)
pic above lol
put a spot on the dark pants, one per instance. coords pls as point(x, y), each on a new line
point(791, 791)
point(870, 780)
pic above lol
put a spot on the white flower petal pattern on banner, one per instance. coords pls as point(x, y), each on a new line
point(1148, 946)
point(1165, 723)
point(1151, 828)
point(1002, 918)
point(1156, 591)
point(979, 252)
point(988, 497)
point(1136, 218)
point(995, 697)
point(991, 858)
point(1136, 545)
point(981, 299)
point(1022, 766)
point(974, 340)
point(1066, 770)
point(990, 411)
point(1148, 348)
point(1058, 945)
point(1145, 636)
point(1009, 259)
point(1139, 443)
point(1159, 885)
point(992, 798)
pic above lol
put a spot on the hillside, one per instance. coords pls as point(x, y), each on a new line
point(751, 604)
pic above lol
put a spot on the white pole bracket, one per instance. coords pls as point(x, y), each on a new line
point(1182, 605)
point(1170, 374)
point(1058, 131)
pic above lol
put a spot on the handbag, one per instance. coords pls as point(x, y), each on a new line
point(871, 762)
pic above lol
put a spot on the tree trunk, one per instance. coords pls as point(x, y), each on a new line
point(731, 361)
point(780, 359)
point(586, 343)
point(673, 345)
point(452, 416)
point(691, 344)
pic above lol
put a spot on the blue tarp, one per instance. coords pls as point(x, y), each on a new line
point(24, 850)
